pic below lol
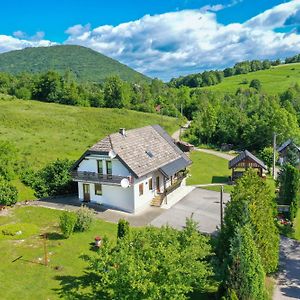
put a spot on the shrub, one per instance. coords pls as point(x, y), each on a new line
point(85, 218)
point(52, 180)
point(256, 84)
point(67, 223)
point(8, 192)
point(8, 154)
point(123, 228)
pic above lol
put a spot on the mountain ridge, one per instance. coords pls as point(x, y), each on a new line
point(85, 63)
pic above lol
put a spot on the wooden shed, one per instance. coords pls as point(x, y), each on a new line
point(244, 161)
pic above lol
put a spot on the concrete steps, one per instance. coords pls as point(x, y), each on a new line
point(157, 201)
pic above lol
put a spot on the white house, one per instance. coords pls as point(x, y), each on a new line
point(130, 169)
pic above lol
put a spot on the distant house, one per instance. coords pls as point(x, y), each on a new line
point(130, 169)
point(244, 161)
point(284, 148)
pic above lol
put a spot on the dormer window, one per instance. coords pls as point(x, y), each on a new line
point(149, 153)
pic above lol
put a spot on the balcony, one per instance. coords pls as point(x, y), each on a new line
point(98, 178)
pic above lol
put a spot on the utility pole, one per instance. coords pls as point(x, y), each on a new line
point(274, 155)
point(221, 205)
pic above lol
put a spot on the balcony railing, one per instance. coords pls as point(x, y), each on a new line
point(98, 178)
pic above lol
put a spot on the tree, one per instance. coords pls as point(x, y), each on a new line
point(8, 192)
point(205, 122)
point(288, 181)
point(253, 195)
point(54, 179)
point(48, 87)
point(256, 84)
point(267, 156)
point(150, 263)
point(123, 228)
point(245, 273)
point(113, 92)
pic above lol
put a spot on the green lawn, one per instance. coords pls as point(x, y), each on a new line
point(27, 278)
point(275, 80)
point(208, 168)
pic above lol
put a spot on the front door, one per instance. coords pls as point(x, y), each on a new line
point(157, 184)
point(86, 193)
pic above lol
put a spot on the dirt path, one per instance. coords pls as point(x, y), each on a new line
point(217, 153)
point(288, 282)
point(176, 134)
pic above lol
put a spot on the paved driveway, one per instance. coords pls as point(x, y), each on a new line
point(289, 276)
point(203, 205)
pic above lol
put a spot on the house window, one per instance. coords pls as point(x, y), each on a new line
point(109, 168)
point(150, 184)
point(98, 189)
point(100, 167)
point(141, 189)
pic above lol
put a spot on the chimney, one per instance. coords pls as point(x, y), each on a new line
point(122, 131)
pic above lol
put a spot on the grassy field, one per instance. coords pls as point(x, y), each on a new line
point(43, 132)
point(275, 80)
point(27, 277)
point(208, 168)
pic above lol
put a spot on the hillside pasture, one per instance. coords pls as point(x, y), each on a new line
point(43, 132)
point(274, 80)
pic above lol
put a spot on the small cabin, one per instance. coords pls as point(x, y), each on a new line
point(243, 162)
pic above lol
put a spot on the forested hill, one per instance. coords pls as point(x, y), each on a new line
point(84, 63)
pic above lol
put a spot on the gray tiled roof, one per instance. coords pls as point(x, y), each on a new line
point(286, 144)
point(134, 148)
point(242, 156)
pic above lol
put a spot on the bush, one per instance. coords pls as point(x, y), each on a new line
point(67, 223)
point(8, 155)
point(256, 84)
point(85, 218)
point(52, 180)
point(8, 192)
point(123, 228)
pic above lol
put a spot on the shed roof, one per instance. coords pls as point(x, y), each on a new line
point(242, 156)
point(286, 144)
point(173, 167)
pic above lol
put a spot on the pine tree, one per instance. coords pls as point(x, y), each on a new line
point(245, 273)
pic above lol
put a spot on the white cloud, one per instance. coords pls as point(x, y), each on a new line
point(182, 42)
point(8, 43)
point(276, 16)
point(188, 41)
point(78, 29)
point(19, 34)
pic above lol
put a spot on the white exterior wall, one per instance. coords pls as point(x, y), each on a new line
point(112, 195)
point(144, 200)
point(115, 196)
point(90, 165)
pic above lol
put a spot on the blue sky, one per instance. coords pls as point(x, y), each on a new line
point(162, 38)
